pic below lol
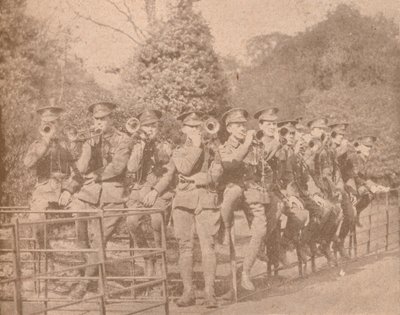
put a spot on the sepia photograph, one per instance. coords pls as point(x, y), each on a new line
point(221, 157)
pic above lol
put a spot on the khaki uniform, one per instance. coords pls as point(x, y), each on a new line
point(355, 174)
point(104, 166)
point(291, 177)
point(56, 172)
point(146, 165)
point(195, 207)
point(246, 186)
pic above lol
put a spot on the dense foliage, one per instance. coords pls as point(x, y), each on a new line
point(177, 69)
point(344, 68)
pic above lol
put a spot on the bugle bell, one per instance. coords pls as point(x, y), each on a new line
point(132, 125)
point(46, 129)
point(211, 126)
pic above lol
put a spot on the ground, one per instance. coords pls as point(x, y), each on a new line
point(369, 285)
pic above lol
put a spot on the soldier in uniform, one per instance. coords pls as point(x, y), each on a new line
point(103, 164)
point(289, 180)
point(323, 168)
point(245, 173)
point(195, 205)
point(339, 146)
point(355, 174)
point(147, 164)
point(57, 176)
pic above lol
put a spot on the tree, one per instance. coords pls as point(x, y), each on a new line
point(177, 68)
point(31, 74)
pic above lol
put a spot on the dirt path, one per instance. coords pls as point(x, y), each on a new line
point(369, 286)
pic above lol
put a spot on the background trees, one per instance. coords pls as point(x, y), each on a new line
point(345, 67)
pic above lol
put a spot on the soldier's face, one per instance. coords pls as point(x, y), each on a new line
point(238, 130)
point(365, 150)
point(192, 131)
point(290, 137)
point(151, 130)
point(102, 124)
point(269, 128)
point(338, 139)
point(317, 132)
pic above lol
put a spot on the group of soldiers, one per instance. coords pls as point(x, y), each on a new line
point(309, 174)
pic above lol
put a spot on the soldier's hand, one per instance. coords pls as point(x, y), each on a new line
point(196, 139)
point(150, 198)
point(319, 200)
point(65, 198)
point(250, 136)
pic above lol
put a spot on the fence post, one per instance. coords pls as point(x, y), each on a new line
point(369, 234)
point(102, 268)
point(164, 262)
point(17, 269)
point(387, 220)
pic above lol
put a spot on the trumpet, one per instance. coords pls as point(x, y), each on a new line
point(258, 137)
point(132, 125)
point(211, 126)
point(46, 129)
point(75, 135)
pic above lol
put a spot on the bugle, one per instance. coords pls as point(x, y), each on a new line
point(75, 135)
point(46, 129)
point(211, 126)
point(132, 125)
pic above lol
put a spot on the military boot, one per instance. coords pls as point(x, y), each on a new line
point(246, 282)
point(326, 251)
point(339, 246)
point(188, 297)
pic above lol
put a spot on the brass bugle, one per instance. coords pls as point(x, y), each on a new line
point(132, 125)
point(46, 129)
point(211, 126)
point(75, 135)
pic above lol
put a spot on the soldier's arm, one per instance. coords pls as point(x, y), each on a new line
point(74, 183)
point(356, 166)
point(119, 161)
point(82, 163)
point(233, 159)
point(136, 157)
point(166, 179)
point(186, 158)
point(36, 151)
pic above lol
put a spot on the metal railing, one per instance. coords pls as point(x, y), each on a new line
point(105, 297)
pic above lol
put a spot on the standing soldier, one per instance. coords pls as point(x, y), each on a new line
point(195, 205)
point(147, 164)
point(245, 168)
point(103, 163)
point(355, 175)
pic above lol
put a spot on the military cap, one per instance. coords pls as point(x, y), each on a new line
point(191, 118)
point(267, 114)
point(368, 141)
point(287, 124)
point(101, 109)
point(49, 113)
point(235, 115)
point(149, 116)
point(318, 123)
point(339, 128)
